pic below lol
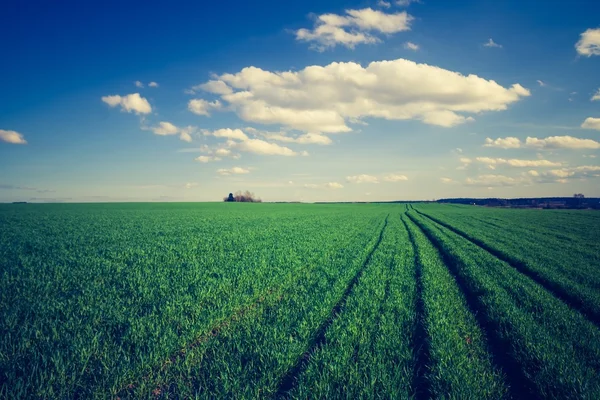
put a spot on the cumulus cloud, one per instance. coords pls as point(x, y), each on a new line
point(12, 137)
point(406, 3)
point(203, 107)
point(503, 143)
point(491, 43)
point(562, 142)
point(228, 133)
point(207, 159)
point(411, 46)
point(552, 142)
point(238, 140)
point(562, 175)
point(492, 180)
point(395, 178)
point(214, 87)
point(328, 185)
point(362, 178)
point(596, 96)
point(233, 171)
point(129, 103)
point(222, 152)
point(589, 43)
point(384, 4)
point(165, 128)
point(307, 138)
point(517, 163)
point(139, 84)
point(356, 27)
point(153, 84)
point(591, 123)
point(447, 180)
point(322, 99)
point(334, 185)
point(258, 146)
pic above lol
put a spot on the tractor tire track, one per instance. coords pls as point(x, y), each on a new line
point(270, 297)
point(290, 379)
point(499, 348)
point(421, 346)
point(570, 300)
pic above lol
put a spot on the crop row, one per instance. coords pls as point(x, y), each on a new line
point(552, 351)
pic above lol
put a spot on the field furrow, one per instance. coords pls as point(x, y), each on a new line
point(249, 358)
point(581, 299)
point(541, 337)
point(367, 351)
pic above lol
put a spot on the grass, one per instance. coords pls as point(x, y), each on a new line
point(297, 301)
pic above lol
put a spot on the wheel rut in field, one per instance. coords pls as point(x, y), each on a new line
point(499, 348)
point(421, 347)
point(558, 292)
point(289, 381)
point(272, 295)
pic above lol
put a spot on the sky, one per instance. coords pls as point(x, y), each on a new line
point(298, 101)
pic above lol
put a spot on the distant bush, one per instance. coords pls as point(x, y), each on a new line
point(246, 197)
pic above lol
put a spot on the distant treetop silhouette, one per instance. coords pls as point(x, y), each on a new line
point(246, 197)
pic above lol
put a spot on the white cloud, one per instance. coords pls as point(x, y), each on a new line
point(130, 103)
point(215, 87)
point(503, 143)
point(185, 134)
point(552, 142)
point(139, 84)
point(411, 46)
point(166, 128)
point(395, 178)
point(492, 180)
point(353, 28)
point(447, 180)
point(307, 138)
point(533, 173)
point(589, 43)
point(563, 174)
point(153, 84)
point(12, 137)
point(517, 163)
point(334, 185)
point(258, 146)
point(384, 4)
point(362, 178)
point(203, 107)
point(190, 185)
point(222, 152)
point(233, 171)
point(562, 142)
point(228, 133)
point(207, 159)
point(406, 3)
point(321, 99)
point(491, 43)
point(591, 123)
point(596, 96)
point(328, 185)
point(541, 83)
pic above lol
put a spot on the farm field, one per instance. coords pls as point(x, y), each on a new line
point(217, 300)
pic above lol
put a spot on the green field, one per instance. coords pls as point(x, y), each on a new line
point(244, 300)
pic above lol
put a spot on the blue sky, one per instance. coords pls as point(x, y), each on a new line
point(301, 101)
